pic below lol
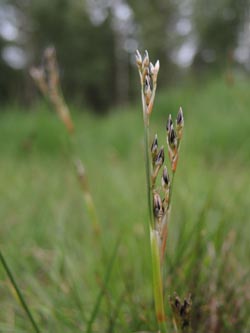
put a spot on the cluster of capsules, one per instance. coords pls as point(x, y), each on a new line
point(161, 206)
point(148, 76)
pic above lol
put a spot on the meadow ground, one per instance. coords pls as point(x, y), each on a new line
point(67, 273)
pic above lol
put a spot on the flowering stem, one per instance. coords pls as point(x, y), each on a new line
point(148, 173)
point(154, 241)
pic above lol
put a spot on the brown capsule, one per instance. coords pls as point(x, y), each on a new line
point(154, 149)
point(169, 124)
point(179, 124)
point(138, 59)
point(157, 205)
point(172, 138)
point(180, 118)
point(165, 178)
point(154, 146)
point(160, 157)
point(145, 62)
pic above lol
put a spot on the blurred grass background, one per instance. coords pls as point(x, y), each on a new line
point(48, 239)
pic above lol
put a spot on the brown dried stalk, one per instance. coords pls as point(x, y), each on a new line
point(47, 79)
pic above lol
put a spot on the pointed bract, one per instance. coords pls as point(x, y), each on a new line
point(157, 205)
point(154, 146)
point(138, 58)
point(160, 157)
point(169, 123)
point(165, 178)
point(172, 138)
point(145, 62)
point(157, 67)
point(180, 118)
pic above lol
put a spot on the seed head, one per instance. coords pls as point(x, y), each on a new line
point(155, 70)
point(160, 157)
point(138, 59)
point(157, 205)
point(148, 94)
point(181, 311)
point(151, 68)
point(165, 181)
point(172, 138)
point(154, 149)
point(145, 62)
point(154, 146)
point(157, 67)
point(179, 124)
point(147, 89)
point(180, 118)
point(169, 124)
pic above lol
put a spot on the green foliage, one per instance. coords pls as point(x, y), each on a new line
point(85, 51)
point(95, 56)
point(49, 243)
point(219, 24)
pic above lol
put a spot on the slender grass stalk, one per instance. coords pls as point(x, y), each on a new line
point(147, 96)
point(157, 282)
point(19, 293)
point(158, 207)
point(148, 172)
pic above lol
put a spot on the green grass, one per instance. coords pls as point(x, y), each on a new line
point(48, 241)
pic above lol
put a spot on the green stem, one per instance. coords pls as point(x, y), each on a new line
point(19, 294)
point(156, 266)
point(148, 172)
point(154, 241)
point(157, 282)
point(147, 159)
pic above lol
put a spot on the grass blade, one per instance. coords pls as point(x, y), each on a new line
point(19, 294)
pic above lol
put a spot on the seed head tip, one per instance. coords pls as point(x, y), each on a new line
point(180, 118)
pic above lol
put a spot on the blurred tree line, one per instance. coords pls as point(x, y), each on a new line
point(96, 40)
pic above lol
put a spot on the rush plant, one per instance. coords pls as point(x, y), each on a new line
point(159, 191)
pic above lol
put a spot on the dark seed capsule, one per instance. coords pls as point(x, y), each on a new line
point(154, 145)
point(180, 118)
point(157, 205)
point(165, 177)
point(160, 157)
point(169, 123)
point(172, 136)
